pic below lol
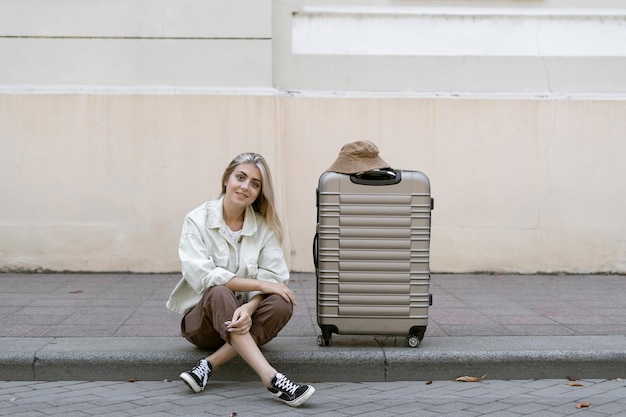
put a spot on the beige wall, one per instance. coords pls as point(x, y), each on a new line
point(118, 118)
point(519, 185)
point(103, 182)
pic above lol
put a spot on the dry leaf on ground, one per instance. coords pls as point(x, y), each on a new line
point(467, 378)
point(583, 404)
point(575, 384)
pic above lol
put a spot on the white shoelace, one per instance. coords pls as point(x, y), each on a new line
point(284, 384)
point(201, 369)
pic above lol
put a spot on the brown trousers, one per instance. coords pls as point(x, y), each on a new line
point(204, 326)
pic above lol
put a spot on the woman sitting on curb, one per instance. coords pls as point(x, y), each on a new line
point(233, 293)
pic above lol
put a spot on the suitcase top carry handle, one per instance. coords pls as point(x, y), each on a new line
point(385, 176)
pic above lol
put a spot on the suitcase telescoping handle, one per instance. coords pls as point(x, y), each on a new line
point(384, 176)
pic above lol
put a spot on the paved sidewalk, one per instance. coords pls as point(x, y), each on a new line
point(116, 327)
point(545, 398)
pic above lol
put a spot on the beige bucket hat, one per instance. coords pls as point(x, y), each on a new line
point(359, 156)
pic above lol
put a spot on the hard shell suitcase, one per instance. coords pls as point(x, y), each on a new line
point(371, 253)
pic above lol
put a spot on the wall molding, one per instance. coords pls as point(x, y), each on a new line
point(449, 32)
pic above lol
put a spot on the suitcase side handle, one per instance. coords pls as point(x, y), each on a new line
point(316, 250)
point(385, 176)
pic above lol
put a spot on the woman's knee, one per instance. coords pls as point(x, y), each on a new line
point(283, 308)
point(276, 307)
point(273, 313)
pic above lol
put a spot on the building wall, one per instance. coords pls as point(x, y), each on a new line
point(116, 118)
point(493, 47)
point(139, 44)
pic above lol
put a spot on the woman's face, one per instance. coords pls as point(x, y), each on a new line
point(244, 185)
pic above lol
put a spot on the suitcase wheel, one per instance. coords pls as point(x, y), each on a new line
point(327, 333)
point(322, 341)
point(416, 334)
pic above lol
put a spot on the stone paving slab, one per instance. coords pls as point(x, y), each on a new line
point(498, 398)
point(59, 326)
point(122, 305)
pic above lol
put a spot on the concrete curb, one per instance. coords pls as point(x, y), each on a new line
point(348, 359)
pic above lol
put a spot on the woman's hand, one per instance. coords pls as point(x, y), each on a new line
point(268, 287)
point(241, 322)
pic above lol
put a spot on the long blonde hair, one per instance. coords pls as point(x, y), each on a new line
point(264, 204)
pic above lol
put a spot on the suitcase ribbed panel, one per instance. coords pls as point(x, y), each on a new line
point(373, 254)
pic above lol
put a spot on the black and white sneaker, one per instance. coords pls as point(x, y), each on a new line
point(289, 392)
point(198, 376)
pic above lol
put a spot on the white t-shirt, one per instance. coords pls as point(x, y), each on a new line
point(234, 237)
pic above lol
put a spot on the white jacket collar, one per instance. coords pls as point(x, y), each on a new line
point(215, 217)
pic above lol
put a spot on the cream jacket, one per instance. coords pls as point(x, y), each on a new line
point(208, 256)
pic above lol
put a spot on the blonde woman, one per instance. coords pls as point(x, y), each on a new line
point(233, 292)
